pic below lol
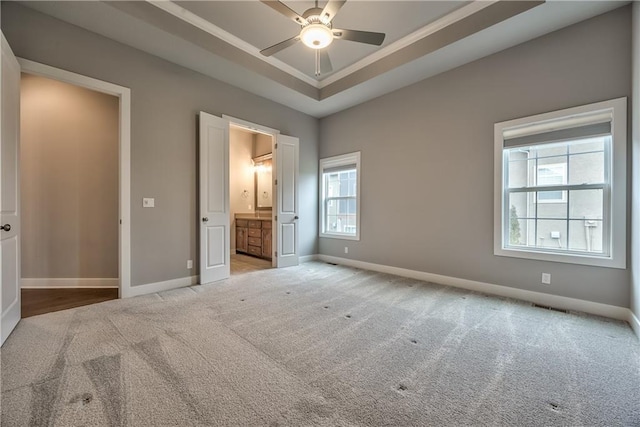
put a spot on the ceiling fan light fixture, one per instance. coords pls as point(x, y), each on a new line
point(316, 36)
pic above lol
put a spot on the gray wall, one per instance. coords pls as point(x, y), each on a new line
point(165, 101)
point(69, 176)
point(635, 220)
point(427, 158)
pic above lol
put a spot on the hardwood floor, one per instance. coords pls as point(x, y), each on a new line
point(241, 264)
point(41, 301)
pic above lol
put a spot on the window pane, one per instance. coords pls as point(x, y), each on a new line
point(551, 234)
point(587, 145)
point(519, 206)
point(585, 204)
point(552, 171)
point(586, 168)
point(557, 209)
point(586, 236)
point(519, 173)
point(549, 150)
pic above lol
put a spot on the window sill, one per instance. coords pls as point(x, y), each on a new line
point(339, 236)
point(593, 261)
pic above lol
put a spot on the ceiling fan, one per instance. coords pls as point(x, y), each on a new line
point(317, 32)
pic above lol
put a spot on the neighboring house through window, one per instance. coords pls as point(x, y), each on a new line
point(561, 186)
point(340, 196)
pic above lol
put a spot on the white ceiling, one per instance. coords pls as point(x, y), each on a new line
point(222, 39)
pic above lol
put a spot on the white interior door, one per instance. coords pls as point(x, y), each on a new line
point(214, 198)
point(286, 163)
point(9, 188)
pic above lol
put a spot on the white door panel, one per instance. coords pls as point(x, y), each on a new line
point(286, 163)
point(214, 198)
point(9, 198)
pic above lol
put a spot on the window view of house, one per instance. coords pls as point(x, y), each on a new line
point(556, 195)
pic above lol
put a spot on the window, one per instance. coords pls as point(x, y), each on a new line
point(560, 187)
point(340, 197)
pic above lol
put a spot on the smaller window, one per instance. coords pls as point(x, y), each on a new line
point(549, 175)
point(340, 197)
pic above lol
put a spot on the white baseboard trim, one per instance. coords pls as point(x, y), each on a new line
point(308, 258)
point(62, 283)
point(635, 323)
point(605, 310)
point(150, 288)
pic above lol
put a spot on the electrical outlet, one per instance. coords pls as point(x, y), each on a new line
point(148, 202)
point(189, 263)
point(546, 278)
point(346, 249)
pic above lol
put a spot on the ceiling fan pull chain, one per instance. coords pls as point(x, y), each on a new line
point(317, 62)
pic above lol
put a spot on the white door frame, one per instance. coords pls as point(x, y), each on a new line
point(234, 121)
point(124, 95)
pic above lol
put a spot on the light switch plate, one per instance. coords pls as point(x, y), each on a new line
point(148, 202)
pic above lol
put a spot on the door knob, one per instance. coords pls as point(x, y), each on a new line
point(296, 217)
point(205, 219)
point(6, 227)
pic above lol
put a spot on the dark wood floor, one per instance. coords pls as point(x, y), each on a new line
point(41, 301)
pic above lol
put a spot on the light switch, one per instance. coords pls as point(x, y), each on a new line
point(148, 202)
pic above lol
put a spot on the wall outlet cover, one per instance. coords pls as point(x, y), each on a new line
point(546, 278)
point(190, 264)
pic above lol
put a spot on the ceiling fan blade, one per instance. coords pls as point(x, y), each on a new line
point(325, 62)
point(278, 6)
point(280, 46)
point(359, 36)
point(331, 8)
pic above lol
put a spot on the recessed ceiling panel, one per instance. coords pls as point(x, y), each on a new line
point(261, 26)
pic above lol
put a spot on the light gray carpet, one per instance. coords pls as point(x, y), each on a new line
point(319, 345)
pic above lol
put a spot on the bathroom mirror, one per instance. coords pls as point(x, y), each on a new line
point(263, 182)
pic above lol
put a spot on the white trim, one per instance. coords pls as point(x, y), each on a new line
point(309, 258)
point(62, 283)
point(166, 285)
point(617, 212)
point(331, 162)
point(605, 310)
point(634, 322)
point(124, 94)
point(208, 27)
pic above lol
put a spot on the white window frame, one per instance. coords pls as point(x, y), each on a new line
point(615, 214)
point(330, 163)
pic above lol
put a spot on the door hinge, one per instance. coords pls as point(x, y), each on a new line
point(276, 218)
point(276, 254)
point(276, 145)
point(120, 222)
point(276, 182)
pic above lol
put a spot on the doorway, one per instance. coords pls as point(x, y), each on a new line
point(75, 190)
point(69, 195)
point(250, 199)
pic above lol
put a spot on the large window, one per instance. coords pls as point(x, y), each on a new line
point(561, 186)
point(340, 196)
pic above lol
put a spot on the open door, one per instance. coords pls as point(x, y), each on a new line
point(214, 199)
point(285, 158)
point(9, 190)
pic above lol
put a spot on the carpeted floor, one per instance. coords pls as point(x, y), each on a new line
point(319, 345)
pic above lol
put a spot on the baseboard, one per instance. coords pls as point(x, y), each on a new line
point(151, 288)
point(62, 283)
point(605, 310)
point(635, 323)
point(308, 258)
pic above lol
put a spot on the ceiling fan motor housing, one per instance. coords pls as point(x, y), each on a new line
point(317, 33)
